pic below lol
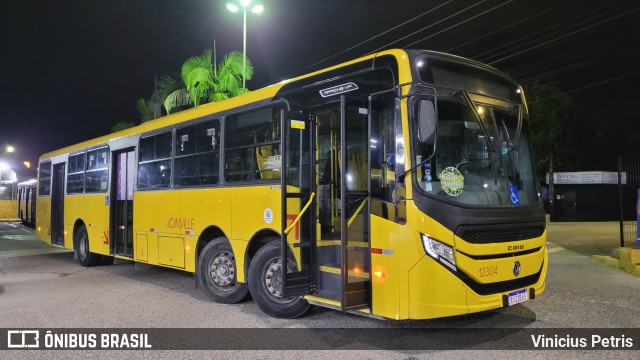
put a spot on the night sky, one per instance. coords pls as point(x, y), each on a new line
point(71, 69)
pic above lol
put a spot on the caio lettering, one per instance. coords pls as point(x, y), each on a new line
point(515, 247)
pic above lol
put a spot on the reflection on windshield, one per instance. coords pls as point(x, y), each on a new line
point(465, 170)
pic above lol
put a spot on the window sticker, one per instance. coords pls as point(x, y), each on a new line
point(452, 181)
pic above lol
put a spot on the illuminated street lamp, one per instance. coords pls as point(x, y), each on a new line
point(256, 9)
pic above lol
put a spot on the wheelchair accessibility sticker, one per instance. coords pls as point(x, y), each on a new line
point(513, 195)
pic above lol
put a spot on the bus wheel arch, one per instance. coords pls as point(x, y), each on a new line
point(81, 246)
point(217, 272)
point(259, 239)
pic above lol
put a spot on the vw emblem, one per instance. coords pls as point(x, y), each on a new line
point(516, 268)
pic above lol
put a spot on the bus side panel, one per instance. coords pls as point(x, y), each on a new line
point(73, 210)
point(250, 208)
point(202, 208)
point(430, 283)
point(434, 291)
point(43, 219)
point(253, 208)
point(384, 291)
point(156, 213)
point(96, 219)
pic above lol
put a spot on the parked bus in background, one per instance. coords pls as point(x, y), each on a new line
point(27, 202)
point(398, 185)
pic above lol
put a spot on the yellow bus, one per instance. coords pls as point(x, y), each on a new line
point(398, 185)
point(27, 202)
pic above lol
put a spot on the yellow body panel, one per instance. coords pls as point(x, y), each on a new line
point(477, 303)
point(155, 214)
point(96, 219)
point(43, 218)
point(171, 251)
point(203, 208)
point(384, 290)
point(141, 252)
point(73, 210)
point(493, 270)
point(248, 212)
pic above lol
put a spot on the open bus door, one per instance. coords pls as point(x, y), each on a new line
point(298, 187)
point(333, 210)
point(57, 204)
point(122, 180)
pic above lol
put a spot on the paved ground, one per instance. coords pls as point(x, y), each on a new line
point(43, 286)
point(586, 238)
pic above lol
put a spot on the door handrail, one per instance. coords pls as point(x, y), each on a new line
point(353, 217)
point(297, 219)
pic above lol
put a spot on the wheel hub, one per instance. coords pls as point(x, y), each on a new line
point(273, 280)
point(222, 269)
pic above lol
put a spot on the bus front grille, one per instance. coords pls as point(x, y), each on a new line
point(500, 233)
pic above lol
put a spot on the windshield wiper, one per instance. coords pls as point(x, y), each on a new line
point(516, 141)
point(489, 143)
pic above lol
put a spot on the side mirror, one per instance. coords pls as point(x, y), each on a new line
point(426, 122)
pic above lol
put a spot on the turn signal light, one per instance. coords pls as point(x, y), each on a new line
point(39, 228)
point(378, 274)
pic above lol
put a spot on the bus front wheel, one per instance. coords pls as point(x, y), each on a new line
point(217, 273)
point(265, 284)
point(85, 257)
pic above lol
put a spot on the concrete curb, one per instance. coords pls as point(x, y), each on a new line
point(629, 260)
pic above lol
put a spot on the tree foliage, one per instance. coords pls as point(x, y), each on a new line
point(122, 125)
point(551, 114)
point(145, 110)
point(200, 81)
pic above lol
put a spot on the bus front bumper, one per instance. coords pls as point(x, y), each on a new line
point(435, 291)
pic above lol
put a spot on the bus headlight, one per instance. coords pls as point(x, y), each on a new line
point(439, 251)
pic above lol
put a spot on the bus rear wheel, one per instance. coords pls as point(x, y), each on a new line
point(217, 273)
point(265, 284)
point(85, 256)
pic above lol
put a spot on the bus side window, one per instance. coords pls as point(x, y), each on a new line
point(97, 174)
point(252, 143)
point(154, 163)
point(198, 154)
point(383, 147)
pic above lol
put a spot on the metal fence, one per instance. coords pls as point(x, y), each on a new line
point(628, 199)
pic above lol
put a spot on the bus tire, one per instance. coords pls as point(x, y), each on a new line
point(266, 292)
point(85, 256)
point(217, 273)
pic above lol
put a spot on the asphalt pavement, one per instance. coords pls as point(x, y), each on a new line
point(44, 287)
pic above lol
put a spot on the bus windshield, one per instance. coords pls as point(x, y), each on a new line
point(465, 168)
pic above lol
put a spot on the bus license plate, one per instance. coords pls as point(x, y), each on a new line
point(517, 297)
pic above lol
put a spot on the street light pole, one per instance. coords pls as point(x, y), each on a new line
point(244, 50)
point(256, 9)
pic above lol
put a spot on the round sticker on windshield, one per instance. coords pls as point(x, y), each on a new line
point(452, 181)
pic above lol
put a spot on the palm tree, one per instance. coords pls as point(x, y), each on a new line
point(145, 110)
point(122, 125)
point(173, 94)
point(200, 82)
point(203, 82)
